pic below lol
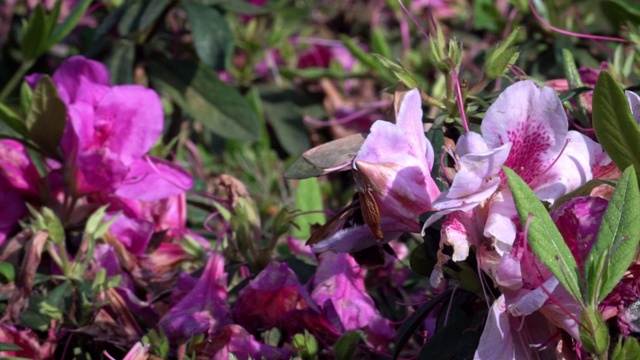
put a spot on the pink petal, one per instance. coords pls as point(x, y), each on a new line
point(151, 179)
point(72, 72)
point(133, 233)
point(500, 221)
point(534, 120)
point(13, 209)
point(634, 103)
point(204, 308)
point(496, 341)
point(128, 121)
point(16, 167)
point(340, 281)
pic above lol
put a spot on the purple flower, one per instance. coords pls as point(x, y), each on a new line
point(109, 132)
point(234, 339)
point(275, 298)
point(204, 308)
point(339, 289)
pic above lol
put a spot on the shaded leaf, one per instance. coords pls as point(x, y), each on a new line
point(34, 37)
point(211, 34)
point(346, 346)
point(120, 62)
point(69, 23)
point(152, 12)
point(12, 120)
point(615, 127)
point(47, 117)
point(197, 89)
point(543, 235)
point(617, 243)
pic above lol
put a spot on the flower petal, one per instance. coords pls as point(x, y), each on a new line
point(152, 179)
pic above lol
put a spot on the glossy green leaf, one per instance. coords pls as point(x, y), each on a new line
point(617, 242)
point(69, 23)
point(12, 120)
point(212, 37)
point(615, 127)
point(197, 89)
point(309, 201)
point(34, 37)
point(543, 235)
point(47, 117)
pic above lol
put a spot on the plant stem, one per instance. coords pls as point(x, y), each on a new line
point(24, 67)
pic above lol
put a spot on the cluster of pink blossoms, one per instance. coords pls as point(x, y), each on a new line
point(525, 129)
point(105, 161)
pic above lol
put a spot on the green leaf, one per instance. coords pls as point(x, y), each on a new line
point(615, 127)
point(346, 346)
point(366, 58)
point(402, 73)
point(94, 221)
point(47, 117)
point(308, 199)
point(211, 34)
point(7, 272)
point(543, 235)
point(120, 62)
point(630, 349)
point(197, 89)
point(34, 37)
point(238, 6)
point(69, 23)
point(570, 70)
point(152, 12)
point(618, 12)
point(9, 347)
point(284, 111)
point(380, 43)
point(26, 97)
point(502, 56)
point(54, 226)
point(617, 243)
point(594, 334)
point(12, 120)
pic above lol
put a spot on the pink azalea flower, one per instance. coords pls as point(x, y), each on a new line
point(339, 289)
point(13, 209)
point(204, 308)
point(396, 160)
point(526, 129)
point(520, 276)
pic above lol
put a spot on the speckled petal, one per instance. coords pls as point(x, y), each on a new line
point(534, 120)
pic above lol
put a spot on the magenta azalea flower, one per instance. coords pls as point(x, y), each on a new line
point(396, 161)
point(275, 298)
point(204, 308)
point(109, 132)
point(339, 290)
